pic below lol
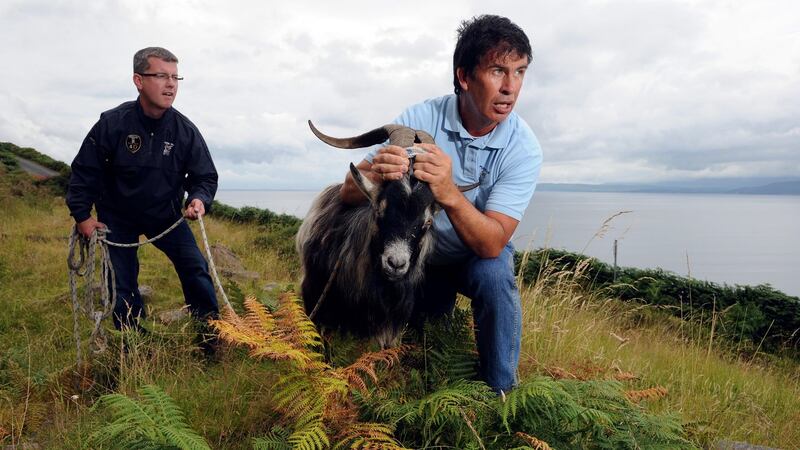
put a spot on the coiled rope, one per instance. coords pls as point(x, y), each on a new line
point(83, 264)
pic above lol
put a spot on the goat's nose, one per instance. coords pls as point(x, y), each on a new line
point(396, 263)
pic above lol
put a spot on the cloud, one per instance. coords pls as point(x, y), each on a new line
point(618, 90)
point(662, 84)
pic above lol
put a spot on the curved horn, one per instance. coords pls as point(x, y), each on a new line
point(424, 137)
point(396, 134)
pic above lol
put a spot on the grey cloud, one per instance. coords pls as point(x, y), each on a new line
point(301, 42)
point(647, 89)
point(422, 48)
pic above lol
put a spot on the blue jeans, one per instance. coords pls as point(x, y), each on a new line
point(492, 287)
point(180, 247)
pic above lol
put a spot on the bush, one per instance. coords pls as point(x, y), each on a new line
point(8, 161)
point(277, 230)
point(249, 214)
point(767, 319)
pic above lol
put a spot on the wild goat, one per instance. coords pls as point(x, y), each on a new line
point(362, 264)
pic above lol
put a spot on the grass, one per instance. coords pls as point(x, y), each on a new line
point(720, 394)
point(567, 333)
point(37, 349)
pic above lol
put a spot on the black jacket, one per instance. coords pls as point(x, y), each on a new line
point(138, 168)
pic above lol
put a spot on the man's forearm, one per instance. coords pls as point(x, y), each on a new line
point(484, 235)
point(350, 193)
point(81, 194)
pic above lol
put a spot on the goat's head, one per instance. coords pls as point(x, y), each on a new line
point(403, 209)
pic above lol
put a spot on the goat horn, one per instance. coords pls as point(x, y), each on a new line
point(424, 137)
point(396, 134)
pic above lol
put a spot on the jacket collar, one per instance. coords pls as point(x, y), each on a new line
point(150, 123)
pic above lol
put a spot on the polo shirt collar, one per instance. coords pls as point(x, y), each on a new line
point(496, 139)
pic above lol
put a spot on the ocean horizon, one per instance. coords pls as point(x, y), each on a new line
point(724, 238)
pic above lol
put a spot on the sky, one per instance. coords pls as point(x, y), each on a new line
point(618, 91)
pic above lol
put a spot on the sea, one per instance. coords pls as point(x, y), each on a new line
point(724, 238)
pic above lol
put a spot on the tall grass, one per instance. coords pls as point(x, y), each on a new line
point(43, 397)
point(569, 332)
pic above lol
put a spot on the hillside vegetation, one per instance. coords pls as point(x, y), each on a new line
point(756, 318)
point(598, 370)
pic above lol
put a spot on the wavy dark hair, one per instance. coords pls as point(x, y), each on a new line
point(483, 34)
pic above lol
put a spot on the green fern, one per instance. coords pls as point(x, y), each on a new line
point(235, 292)
point(369, 436)
point(449, 350)
point(542, 391)
point(433, 398)
point(452, 412)
point(153, 422)
point(432, 407)
point(574, 414)
point(277, 439)
point(312, 436)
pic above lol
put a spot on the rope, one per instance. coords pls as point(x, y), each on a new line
point(149, 241)
point(212, 265)
point(84, 266)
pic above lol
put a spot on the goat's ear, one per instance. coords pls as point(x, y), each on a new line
point(365, 185)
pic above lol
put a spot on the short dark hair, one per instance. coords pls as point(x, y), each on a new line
point(483, 34)
point(140, 58)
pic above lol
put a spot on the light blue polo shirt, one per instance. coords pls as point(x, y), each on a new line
point(507, 161)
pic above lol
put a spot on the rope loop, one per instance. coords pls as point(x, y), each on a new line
point(81, 262)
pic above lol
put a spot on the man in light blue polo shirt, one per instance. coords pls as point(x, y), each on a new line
point(479, 139)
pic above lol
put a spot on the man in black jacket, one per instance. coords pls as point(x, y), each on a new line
point(134, 166)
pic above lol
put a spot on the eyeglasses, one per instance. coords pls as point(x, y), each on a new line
point(161, 76)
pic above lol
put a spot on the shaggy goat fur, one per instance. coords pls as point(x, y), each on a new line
point(363, 299)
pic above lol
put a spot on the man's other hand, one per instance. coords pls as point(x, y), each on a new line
point(87, 227)
point(195, 209)
point(435, 168)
